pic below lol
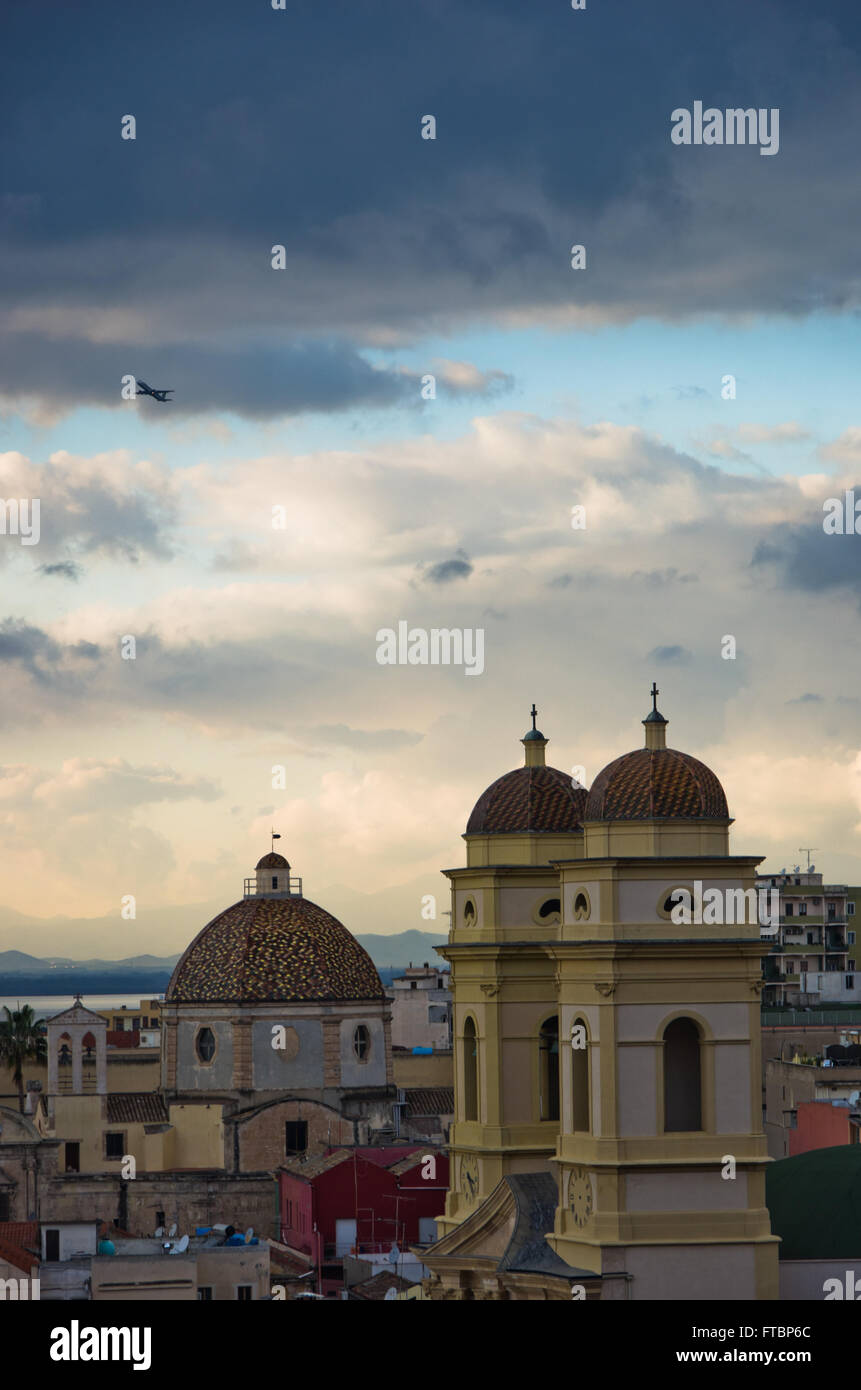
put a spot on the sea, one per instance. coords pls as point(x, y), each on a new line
point(44, 1005)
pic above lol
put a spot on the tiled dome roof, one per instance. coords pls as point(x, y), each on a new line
point(537, 799)
point(274, 950)
point(651, 783)
point(272, 861)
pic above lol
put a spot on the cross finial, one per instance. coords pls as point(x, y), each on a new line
point(654, 692)
point(534, 713)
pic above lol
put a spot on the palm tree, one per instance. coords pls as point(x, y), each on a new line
point(22, 1039)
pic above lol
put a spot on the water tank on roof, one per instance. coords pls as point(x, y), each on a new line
point(422, 1051)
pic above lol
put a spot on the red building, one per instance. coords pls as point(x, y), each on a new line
point(360, 1202)
point(822, 1124)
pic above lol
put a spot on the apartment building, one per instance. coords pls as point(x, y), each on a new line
point(813, 957)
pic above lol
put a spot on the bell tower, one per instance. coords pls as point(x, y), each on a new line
point(661, 1155)
point(506, 911)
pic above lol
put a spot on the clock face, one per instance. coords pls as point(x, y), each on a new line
point(469, 1177)
point(580, 1196)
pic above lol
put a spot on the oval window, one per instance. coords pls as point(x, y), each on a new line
point(205, 1044)
point(550, 911)
point(361, 1042)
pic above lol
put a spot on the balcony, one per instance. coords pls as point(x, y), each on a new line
point(293, 891)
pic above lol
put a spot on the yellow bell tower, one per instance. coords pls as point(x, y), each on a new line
point(506, 912)
point(661, 1155)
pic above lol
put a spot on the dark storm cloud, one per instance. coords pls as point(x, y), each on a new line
point(670, 656)
point(444, 571)
point(806, 557)
point(257, 127)
point(64, 569)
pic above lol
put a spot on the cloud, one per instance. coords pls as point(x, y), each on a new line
point(63, 569)
point(155, 255)
point(788, 432)
point(807, 699)
point(670, 656)
point(371, 740)
point(464, 379)
point(444, 571)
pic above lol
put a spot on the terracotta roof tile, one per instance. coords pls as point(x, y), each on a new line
point(137, 1107)
point(430, 1100)
point(655, 783)
point(264, 950)
point(529, 799)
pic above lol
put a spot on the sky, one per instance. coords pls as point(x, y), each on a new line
point(692, 388)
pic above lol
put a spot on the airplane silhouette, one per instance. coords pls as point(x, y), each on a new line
point(144, 390)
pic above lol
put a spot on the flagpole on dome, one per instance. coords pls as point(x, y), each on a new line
point(275, 837)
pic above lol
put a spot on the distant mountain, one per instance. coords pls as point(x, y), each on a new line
point(398, 951)
point(404, 948)
point(18, 963)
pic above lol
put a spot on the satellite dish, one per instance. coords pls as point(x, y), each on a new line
point(394, 1254)
point(854, 1097)
point(159, 1233)
point(248, 1234)
point(180, 1247)
point(172, 1231)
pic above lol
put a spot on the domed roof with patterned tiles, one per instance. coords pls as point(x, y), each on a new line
point(274, 948)
point(534, 799)
point(656, 783)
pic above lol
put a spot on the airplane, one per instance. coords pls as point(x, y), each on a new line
point(144, 390)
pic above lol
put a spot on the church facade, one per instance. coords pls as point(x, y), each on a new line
point(608, 1131)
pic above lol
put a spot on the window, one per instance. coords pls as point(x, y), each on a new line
point(580, 1083)
point(550, 910)
point(850, 965)
point(850, 981)
point(205, 1044)
point(850, 909)
point(159, 1218)
point(802, 910)
point(296, 1136)
point(548, 1053)
point(52, 1245)
point(204, 1293)
point(243, 1292)
point(413, 984)
point(274, 881)
point(362, 1042)
point(469, 913)
point(470, 1071)
point(789, 910)
point(114, 1145)
point(850, 937)
point(73, 1158)
point(682, 1084)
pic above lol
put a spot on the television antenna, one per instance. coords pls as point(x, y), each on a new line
point(808, 850)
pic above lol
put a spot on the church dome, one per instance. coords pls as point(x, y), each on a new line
point(533, 799)
point(272, 861)
point(656, 783)
point(529, 799)
point(274, 949)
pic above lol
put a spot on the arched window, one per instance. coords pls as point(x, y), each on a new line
point(205, 1044)
point(581, 1113)
point(470, 1071)
point(469, 913)
point(682, 1084)
point(361, 1042)
point(274, 880)
point(548, 1052)
point(550, 910)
